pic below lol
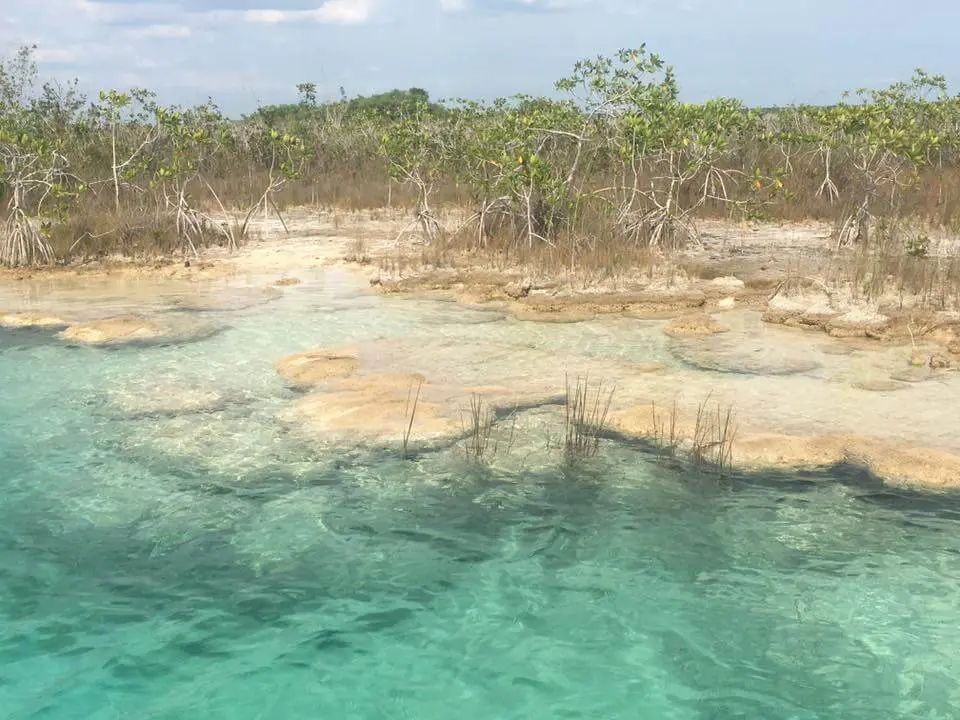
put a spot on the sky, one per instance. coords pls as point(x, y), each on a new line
point(244, 53)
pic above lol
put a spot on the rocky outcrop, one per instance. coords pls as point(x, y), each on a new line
point(727, 284)
point(935, 361)
point(517, 290)
point(857, 323)
point(808, 310)
point(550, 314)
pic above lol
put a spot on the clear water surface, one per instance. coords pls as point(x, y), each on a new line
point(210, 565)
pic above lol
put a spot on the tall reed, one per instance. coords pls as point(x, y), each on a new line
point(585, 417)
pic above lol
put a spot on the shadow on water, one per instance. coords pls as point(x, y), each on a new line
point(646, 546)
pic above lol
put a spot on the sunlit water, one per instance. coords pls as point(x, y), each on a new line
point(211, 565)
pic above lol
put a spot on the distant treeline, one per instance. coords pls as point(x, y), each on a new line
point(615, 158)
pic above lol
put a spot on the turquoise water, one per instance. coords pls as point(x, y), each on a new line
point(157, 563)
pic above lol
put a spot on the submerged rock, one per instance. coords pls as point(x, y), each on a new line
point(316, 366)
point(926, 467)
point(287, 282)
point(916, 375)
point(743, 356)
point(378, 409)
point(165, 399)
point(878, 385)
point(229, 299)
point(135, 329)
point(699, 325)
point(648, 367)
point(112, 330)
point(923, 467)
point(30, 320)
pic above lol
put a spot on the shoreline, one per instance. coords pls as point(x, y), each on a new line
point(283, 260)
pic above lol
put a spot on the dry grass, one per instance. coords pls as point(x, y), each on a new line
point(410, 412)
point(709, 442)
point(478, 425)
point(666, 433)
point(585, 419)
point(358, 251)
point(713, 435)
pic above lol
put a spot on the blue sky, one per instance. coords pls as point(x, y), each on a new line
point(245, 52)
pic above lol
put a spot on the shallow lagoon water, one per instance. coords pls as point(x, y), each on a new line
point(210, 564)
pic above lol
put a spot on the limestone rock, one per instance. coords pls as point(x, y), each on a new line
point(858, 323)
point(517, 290)
point(316, 366)
point(878, 385)
point(113, 330)
point(30, 320)
point(743, 356)
point(939, 362)
point(699, 325)
point(728, 283)
point(375, 408)
point(649, 367)
point(127, 329)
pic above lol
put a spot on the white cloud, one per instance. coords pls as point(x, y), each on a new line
point(454, 5)
point(344, 12)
